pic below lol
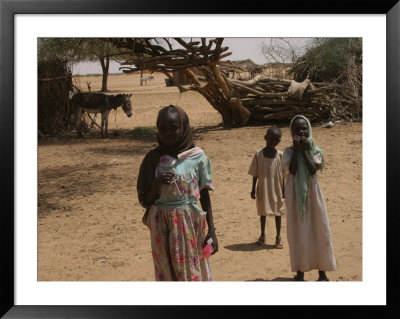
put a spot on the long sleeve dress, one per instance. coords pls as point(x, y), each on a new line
point(178, 226)
point(310, 241)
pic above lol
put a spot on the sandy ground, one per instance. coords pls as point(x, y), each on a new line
point(89, 218)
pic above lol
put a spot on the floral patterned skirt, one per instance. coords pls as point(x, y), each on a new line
point(177, 236)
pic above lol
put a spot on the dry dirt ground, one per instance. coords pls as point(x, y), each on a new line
point(89, 218)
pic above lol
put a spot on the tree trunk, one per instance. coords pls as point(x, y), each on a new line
point(243, 113)
point(105, 65)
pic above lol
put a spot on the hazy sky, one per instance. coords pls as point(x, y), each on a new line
point(241, 48)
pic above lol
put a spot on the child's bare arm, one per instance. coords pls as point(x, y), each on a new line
point(205, 202)
point(152, 194)
point(306, 155)
point(293, 162)
point(253, 188)
point(309, 162)
point(296, 150)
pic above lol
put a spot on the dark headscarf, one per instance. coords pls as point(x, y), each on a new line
point(151, 160)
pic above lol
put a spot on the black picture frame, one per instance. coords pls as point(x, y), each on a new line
point(8, 10)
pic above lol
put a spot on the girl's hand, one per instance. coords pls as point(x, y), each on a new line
point(153, 193)
point(253, 194)
point(296, 143)
point(304, 144)
point(214, 244)
point(165, 178)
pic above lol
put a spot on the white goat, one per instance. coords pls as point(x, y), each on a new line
point(144, 80)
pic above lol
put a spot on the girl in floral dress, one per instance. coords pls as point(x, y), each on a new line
point(171, 179)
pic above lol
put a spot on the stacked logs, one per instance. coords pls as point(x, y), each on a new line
point(271, 99)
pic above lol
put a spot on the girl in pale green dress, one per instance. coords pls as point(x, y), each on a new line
point(172, 178)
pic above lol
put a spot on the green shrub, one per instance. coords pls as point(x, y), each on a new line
point(327, 59)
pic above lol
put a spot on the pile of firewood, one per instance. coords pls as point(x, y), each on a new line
point(273, 99)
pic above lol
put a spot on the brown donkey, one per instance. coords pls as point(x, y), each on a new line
point(99, 103)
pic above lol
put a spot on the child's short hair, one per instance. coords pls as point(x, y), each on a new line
point(274, 129)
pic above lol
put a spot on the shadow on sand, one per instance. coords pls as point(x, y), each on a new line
point(146, 134)
point(249, 247)
point(275, 279)
point(209, 128)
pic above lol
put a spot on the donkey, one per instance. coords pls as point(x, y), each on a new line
point(99, 103)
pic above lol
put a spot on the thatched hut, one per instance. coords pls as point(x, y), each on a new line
point(241, 69)
point(277, 70)
point(54, 86)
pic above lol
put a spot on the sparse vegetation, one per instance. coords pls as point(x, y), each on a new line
point(144, 133)
point(328, 59)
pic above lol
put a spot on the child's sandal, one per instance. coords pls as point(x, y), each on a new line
point(261, 240)
point(278, 244)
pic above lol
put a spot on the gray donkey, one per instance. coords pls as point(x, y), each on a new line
point(99, 103)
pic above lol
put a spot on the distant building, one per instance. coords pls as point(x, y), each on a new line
point(241, 69)
point(181, 78)
point(277, 70)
